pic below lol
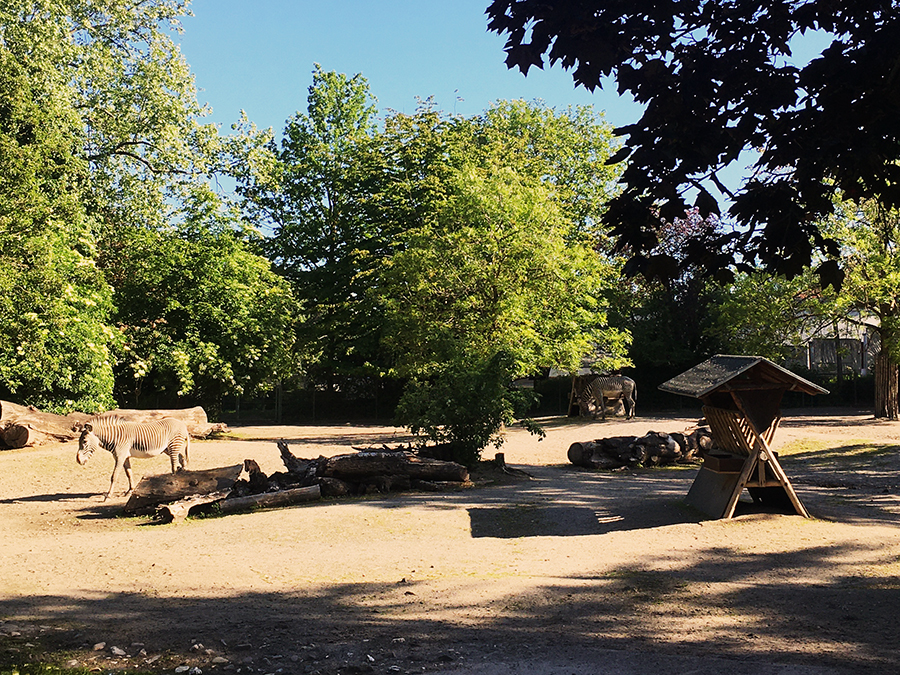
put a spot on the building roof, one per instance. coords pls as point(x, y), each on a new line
point(737, 372)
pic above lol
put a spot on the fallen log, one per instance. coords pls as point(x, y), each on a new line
point(166, 488)
point(178, 511)
point(195, 418)
point(267, 500)
point(362, 464)
point(23, 426)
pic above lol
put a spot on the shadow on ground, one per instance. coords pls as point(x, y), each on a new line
point(366, 627)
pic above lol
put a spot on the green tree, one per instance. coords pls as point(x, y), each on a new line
point(55, 341)
point(316, 193)
point(767, 315)
point(566, 148)
point(110, 166)
point(202, 317)
point(492, 289)
point(869, 236)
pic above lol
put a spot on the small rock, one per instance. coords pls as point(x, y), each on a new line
point(99, 646)
point(72, 664)
point(118, 651)
point(220, 659)
point(195, 671)
point(196, 647)
point(182, 669)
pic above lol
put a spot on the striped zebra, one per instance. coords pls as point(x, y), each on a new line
point(132, 439)
point(598, 388)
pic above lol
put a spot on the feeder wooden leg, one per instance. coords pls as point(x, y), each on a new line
point(749, 463)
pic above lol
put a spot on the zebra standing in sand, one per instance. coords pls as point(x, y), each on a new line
point(598, 388)
point(132, 439)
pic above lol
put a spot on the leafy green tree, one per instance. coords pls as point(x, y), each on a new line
point(202, 317)
point(717, 78)
point(109, 165)
point(566, 148)
point(869, 236)
point(55, 341)
point(492, 289)
point(766, 315)
point(316, 192)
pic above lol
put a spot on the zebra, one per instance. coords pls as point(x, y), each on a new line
point(597, 388)
point(132, 439)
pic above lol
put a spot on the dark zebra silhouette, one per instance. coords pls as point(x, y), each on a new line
point(598, 388)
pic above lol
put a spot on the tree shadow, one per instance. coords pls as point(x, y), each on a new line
point(738, 610)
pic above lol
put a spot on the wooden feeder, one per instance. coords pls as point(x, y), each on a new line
point(741, 398)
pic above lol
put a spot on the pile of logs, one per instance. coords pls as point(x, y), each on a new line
point(25, 426)
point(242, 488)
point(653, 449)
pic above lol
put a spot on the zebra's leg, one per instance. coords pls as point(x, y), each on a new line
point(127, 465)
point(121, 459)
point(174, 457)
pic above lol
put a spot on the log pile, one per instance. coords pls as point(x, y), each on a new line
point(652, 449)
point(246, 487)
point(357, 473)
point(26, 426)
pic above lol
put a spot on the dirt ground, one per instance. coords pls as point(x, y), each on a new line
point(570, 571)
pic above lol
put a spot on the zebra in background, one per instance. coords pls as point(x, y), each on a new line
point(598, 388)
point(132, 439)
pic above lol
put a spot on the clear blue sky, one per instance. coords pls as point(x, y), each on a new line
point(259, 57)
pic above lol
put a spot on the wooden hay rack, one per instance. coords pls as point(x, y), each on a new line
point(742, 398)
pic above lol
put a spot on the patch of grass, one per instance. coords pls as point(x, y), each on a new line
point(844, 455)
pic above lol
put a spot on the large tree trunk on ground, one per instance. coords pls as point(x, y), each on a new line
point(364, 464)
point(195, 418)
point(22, 426)
point(887, 397)
point(268, 500)
point(152, 491)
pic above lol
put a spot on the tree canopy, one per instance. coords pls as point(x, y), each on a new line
point(106, 211)
point(716, 79)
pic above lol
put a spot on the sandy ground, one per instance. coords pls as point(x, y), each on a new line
point(572, 571)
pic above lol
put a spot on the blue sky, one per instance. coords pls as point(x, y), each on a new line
point(259, 57)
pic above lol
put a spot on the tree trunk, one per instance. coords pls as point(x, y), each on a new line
point(152, 491)
point(886, 387)
point(195, 418)
point(22, 426)
point(363, 464)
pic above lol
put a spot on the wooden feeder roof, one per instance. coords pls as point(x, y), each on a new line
point(735, 373)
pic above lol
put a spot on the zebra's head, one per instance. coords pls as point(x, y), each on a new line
point(87, 444)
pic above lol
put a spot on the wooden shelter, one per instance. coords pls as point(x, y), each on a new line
point(741, 398)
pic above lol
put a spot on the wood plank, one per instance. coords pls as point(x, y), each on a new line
point(711, 491)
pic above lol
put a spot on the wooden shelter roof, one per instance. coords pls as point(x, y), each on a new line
point(728, 373)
